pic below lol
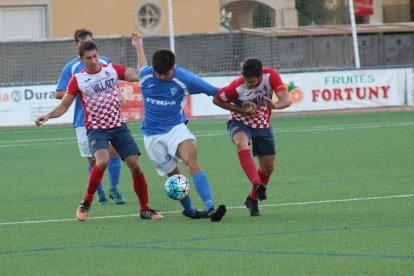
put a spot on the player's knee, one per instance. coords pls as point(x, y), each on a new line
point(267, 168)
point(102, 164)
point(135, 168)
point(91, 161)
point(192, 167)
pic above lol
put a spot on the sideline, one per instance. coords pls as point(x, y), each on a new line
point(233, 207)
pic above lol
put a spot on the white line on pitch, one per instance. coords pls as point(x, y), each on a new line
point(234, 207)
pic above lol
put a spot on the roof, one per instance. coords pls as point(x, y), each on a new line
point(332, 29)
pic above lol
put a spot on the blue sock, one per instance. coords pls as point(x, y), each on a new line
point(203, 189)
point(114, 170)
point(187, 205)
point(100, 187)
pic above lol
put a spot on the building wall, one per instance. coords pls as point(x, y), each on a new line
point(118, 17)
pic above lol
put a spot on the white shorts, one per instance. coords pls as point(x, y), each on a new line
point(162, 148)
point(83, 143)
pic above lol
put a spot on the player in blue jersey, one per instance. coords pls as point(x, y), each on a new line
point(165, 89)
point(114, 166)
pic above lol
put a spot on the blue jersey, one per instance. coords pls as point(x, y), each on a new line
point(164, 101)
point(71, 68)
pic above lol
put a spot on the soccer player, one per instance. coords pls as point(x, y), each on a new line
point(165, 88)
point(114, 165)
point(249, 98)
point(97, 87)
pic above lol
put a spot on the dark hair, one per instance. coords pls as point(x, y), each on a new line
point(252, 67)
point(87, 46)
point(163, 60)
point(80, 34)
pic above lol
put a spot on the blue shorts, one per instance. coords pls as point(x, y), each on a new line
point(262, 139)
point(120, 138)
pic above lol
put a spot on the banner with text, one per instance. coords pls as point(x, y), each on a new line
point(21, 105)
point(330, 90)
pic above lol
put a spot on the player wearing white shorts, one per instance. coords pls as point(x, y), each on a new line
point(165, 89)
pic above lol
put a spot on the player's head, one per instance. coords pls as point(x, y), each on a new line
point(82, 35)
point(252, 72)
point(163, 61)
point(88, 52)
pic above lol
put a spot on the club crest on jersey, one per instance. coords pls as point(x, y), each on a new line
point(173, 91)
point(107, 73)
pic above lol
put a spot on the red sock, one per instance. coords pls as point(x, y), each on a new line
point(253, 195)
point(248, 166)
point(141, 189)
point(264, 178)
point(95, 178)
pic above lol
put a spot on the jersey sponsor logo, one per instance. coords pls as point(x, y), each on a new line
point(160, 102)
point(103, 86)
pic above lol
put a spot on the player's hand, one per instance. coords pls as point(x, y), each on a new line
point(41, 120)
point(136, 41)
point(249, 108)
point(270, 103)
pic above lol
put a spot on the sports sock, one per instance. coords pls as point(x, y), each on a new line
point(186, 203)
point(248, 166)
point(141, 189)
point(114, 170)
point(100, 187)
point(95, 178)
point(253, 195)
point(264, 178)
point(203, 189)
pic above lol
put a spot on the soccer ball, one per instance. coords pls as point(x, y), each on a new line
point(177, 187)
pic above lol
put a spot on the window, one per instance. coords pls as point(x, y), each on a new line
point(22, 23)
point(149, 18)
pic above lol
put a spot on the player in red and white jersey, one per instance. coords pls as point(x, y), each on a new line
point(249, 99)
point(97, 86)
point(99, 95)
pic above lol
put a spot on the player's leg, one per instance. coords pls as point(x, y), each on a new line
point(264, 147)
point(189, 210)
point(85, 151)
point(95, 178)
point(161, 151)
point(128, 151)
point(114, 171)
point(186, 151)
point(241, 135)
point(266, 167)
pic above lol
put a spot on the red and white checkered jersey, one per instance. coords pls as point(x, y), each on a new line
point(270, 82)
point(99, 94)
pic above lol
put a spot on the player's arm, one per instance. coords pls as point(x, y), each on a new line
point(227, 98)
point(59, 94)
point(138, 44)
point(280, 90)
point(282, 103)
point(126, 74)
point(63, 82)
point(131, 75)
point(57, 111)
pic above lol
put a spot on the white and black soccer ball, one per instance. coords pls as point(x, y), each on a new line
point(177, 187)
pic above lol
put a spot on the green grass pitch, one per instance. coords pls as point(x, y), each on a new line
point(341, 202)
